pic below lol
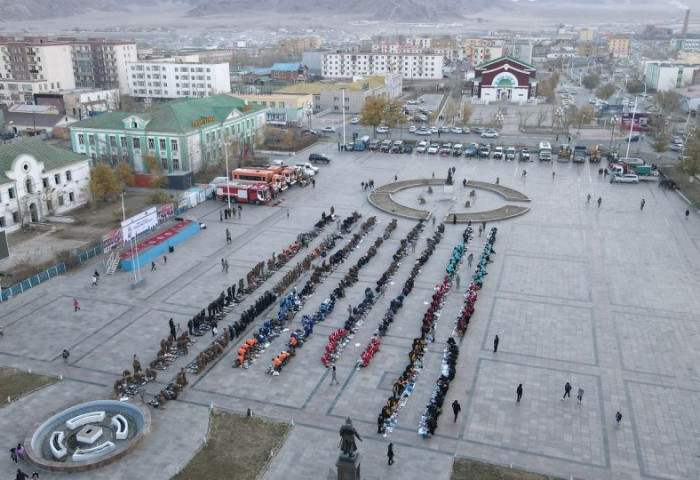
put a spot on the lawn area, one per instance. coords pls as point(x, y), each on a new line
point(17, 383)
point(236, 443)
point(691, 190)
point(463, 469)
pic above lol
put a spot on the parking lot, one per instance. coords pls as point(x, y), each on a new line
point(602, 297)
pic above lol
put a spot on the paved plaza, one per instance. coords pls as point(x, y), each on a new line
point(602, 297)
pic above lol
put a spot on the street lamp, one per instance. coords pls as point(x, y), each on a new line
point(558, 116)
point(499, 119)
point(223, 142)
point(613, 120)
point(342, 108)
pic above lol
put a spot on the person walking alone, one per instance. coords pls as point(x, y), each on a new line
point(618, 417)
point(76, 305)
point(457, 280)
point(495, 344)
point(519, 392)
point(567, 391)
point(228, 236)
point(600, 200)
point(580, 395)
point(456, 408)
point(687, 213)
point(94, 281)
point(470, 259)
point(333, 376)
point(641, 205)
point(153, 266)
point(390, 453)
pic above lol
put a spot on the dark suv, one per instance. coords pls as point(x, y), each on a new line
point(318, 158)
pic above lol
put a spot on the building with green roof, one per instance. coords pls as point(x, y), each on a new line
point(37, 180)
point(183, 135)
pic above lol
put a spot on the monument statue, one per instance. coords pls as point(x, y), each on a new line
point(347, 438)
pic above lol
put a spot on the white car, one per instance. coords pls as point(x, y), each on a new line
point(456, 130)
point(328, 129)
point(498, 152)
point(433, 148)
point(307, 166)
point(413, 129)
point(490, 134)
point(465, 130)
point(382, 129)
point(422, 147)
point(355, 120)
point(626, 178)
point(423, 131)
point(434, 129)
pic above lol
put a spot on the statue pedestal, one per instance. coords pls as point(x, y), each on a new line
point(348, 468)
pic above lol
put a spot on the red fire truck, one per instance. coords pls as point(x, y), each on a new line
point(257, 193)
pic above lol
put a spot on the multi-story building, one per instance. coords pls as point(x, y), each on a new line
point(288, 72)
point(101, 63)
point(33, 65)
point(329, 96)
point(590, 49)
point(282, 108)
point(669, 76)
point(618, 45)
point(168, 79)
point(182, 135)
point(691, 43)
point(298, 45)
point(586, 35)
point(410, 66)
point(479, 54)
point(506, 79)
point(81, 102)
point(38, 180)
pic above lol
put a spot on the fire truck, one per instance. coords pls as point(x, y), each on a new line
point(257, 193)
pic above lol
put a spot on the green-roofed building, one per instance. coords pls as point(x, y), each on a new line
point(38, 180)
point(183, 135)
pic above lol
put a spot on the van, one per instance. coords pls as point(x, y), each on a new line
point(374, 145)
point(385, 146)
point(545, 152)
point(318, 158)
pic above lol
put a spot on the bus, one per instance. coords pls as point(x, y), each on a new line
point(261, 175)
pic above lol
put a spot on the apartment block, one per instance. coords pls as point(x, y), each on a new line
point(169, 79)
point(100, 63)
point(33, 65)
point(298, 45)
point(409, 66)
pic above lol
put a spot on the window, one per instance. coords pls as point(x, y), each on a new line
point(112, 141)
point(15, 217)
point(176, 164)
point(136, 142)
point(71, 197)
point(45, 182)
point(57, 178)
point(173, 145)
point(69, 176)
point(164, 164)
point(60, 200)
point(151, 144)
point(91, 140)
point(161, 143)
point(122, 141)
point(11, 192)
point(2, 221)
point(81, 139)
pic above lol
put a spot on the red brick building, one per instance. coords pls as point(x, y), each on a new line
point(505, 78)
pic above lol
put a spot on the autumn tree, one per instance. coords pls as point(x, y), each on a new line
point(125, 175)
point(660, 143)
point(584, 116)
point(373, 111)
point(104, 182)
point(635, 86)
point(392, 114)
point(590, 81)
point(467, 112)
point(158, 178)
point(690, 162)
point(668, 101)
point(605, 91)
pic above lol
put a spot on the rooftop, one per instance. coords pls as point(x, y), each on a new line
point(375, 81)
point(52, 157)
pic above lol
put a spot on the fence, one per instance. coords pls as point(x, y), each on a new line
point(45, 275)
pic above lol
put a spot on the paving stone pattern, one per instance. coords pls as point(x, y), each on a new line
point(604, 298)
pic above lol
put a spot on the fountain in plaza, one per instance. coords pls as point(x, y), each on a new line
point(87, 436)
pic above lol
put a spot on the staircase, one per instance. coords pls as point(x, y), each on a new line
point(112, 263)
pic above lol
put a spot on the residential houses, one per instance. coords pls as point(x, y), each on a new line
point(169, 79)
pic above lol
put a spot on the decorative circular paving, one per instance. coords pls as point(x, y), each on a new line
point(87, 436)
point(383, 199)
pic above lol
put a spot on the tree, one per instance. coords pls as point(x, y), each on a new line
point(582, 117)
point(660, 144)
point(591, 81)
point(158, 178)
point(690, 161)
point(452, 110)
point(634, 87)
point(392, 114)
point(467, 112)
point(372, 111)
point(103, 182)
point(125, 175)
point(605, 91)
point(668, 101)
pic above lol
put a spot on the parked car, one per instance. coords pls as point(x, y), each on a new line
point(434, 129)
point(444, 130)
point(465, 130)
point(626, 178)
point(676, 147)
point(307, 166)
point(422, 147)
point(633, 138)
point(433, 148)
point(382, 129)
point(498, 152)
point(478, 130)
point(455, 130)
point(412, 129)
point(318, 158)
point(484, 151)
point(308, 131)
point(446, 149)
point(490, 134)
point(407, 148)
point(397, 146)
point(457, 150)
point(423, 131)
point(510, 153)
point(355, 120)
point(525, 155)
point(471, 150)
point(328, 129)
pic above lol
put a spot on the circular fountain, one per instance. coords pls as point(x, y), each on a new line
point(87, 436)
